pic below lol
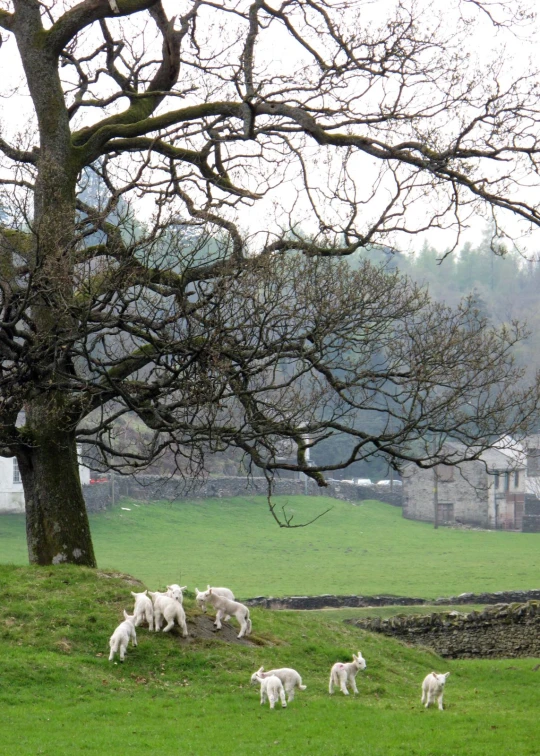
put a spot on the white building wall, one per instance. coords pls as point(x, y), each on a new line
point(11, 489)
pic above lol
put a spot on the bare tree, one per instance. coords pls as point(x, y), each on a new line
point(216, 323)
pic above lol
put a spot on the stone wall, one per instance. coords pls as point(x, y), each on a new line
point(531, 517)
point(152, 488)
point(330, 601)
point(504, 630)
point(97, 496)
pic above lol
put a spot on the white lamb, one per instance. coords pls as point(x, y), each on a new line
point(289, 677)
point(433, 688)
point(120, 638)
point(143, 610)
point(341, 674)
point(228, 608)
point(225, 592)
point(271, 689)
point(171, 610)
point(176, 592)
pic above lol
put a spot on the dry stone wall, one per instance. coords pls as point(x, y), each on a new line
point(153, 488)
point(330, 601)
point(503, 631)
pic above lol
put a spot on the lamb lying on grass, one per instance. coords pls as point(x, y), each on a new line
point(227, 608)
point(341, 674)
point(433, 688)
point(171, 610)
point(143, 610)
point(120, 638)
point(289, 677)
point(271, 689)
point(176, 592)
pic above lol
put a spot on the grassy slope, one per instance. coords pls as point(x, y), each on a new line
point(366, 549)
point(61, 696)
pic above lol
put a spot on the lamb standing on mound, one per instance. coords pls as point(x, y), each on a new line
point(433, 688)
point(143, 610)
point(341, 674)
point(120, 638)
point(225, 592)
point(169, 608)
point(226, 607)
point(288, 676)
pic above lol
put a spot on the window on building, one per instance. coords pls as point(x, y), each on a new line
point(497, 481)
point(507, 481)
point(16, 471)
point(516, 479)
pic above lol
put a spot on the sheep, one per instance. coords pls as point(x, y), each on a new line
point(227, 608)
point(176, 592)
point(289, 677)
point(171, 609)
point(341, 674)
point(225, 592)
point(120, 638)
point(143, 610)
point(433, 688)
point(271, 689)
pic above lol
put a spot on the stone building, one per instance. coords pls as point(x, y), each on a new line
point(490, 492)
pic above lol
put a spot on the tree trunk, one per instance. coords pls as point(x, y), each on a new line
point(57, 527)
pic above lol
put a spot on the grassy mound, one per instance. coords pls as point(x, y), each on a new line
point(60, 695)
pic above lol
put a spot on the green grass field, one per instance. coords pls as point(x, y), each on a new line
point(61, 696)
point(365, 549)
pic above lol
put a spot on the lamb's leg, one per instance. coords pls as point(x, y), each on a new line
point(114, 649)
point(150, 620)
point(217, 621)
point(343, 684)
point(439, 701)
point(243, 626)
point(183, 625)
point(157, 621)
point(263, 695)
point(282, 697)
point(123, 646)
point(290, 694)
point(331, 684)
point(169, 626)
point(133, 638)
point(353, 683)
point(424, 696)
point(272, 700)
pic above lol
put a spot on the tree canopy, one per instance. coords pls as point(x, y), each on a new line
point(239, 150)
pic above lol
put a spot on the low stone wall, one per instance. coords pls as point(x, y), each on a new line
point(152, 488)
point(97, 496)
point(330, 601)
point(503, 631)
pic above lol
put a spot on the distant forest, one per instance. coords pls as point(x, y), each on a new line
point(504, 288)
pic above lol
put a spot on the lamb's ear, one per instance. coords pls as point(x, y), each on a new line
point(208, 587)
point(133, 594)
point(209, 590)
point(261, 669)
point(126, 615)
point(197, 590)
point(447, 675)
point(183, 587)
point(168, 587)
point(146, 592)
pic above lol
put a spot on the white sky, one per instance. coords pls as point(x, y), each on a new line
point(519, 47)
